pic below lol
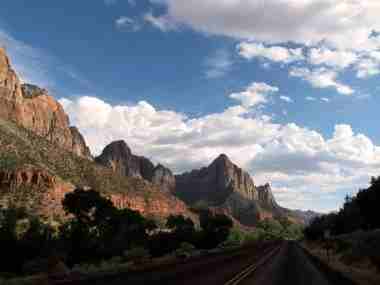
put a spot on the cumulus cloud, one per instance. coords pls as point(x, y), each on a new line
point(321, 78)
point(255, 94)
point(368, 67)
point(287, 155)
point(250, 50)
point(333, 58)
point(338, 35)
point(347, 24)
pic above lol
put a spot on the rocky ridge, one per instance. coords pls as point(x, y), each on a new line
point(42, 158)
point(226, 186)
point(33, 108)
point(119, 157)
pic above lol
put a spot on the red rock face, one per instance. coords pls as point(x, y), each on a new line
point(33, 109)
point(38, 190)
point(35, 189)
point(148, 207)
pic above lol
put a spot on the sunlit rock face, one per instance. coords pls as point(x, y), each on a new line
point(34, 109)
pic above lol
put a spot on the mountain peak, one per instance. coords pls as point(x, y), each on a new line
point(117, 149)
point(43, 115)
point(120, 158)
point(222, 159)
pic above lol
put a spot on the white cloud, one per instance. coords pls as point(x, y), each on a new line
point(219, 64)
point(250, 50)
point(333, 58)
point(311, 166)
point(164, 22)
point(255, 94)
point(343, 24)
point(286, 99)
point(338, 35)
point(124, 22)
point(309, 98)
point(321, 78)
point(367, 67)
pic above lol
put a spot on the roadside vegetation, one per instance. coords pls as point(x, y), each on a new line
point(98, 236)
point(350, 238)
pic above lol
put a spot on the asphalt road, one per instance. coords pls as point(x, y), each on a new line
point(292, 265)
point(285, 263)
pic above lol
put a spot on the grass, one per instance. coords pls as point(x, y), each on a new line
point(353, 264)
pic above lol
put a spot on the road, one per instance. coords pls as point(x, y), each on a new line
point(267, 264)
point(292, 265)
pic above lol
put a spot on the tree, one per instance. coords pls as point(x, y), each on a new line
point(100, 230)
point(216, 228)
point(180, 224)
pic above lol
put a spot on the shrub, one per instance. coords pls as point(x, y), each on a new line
point(185, 250)
point(137, 254)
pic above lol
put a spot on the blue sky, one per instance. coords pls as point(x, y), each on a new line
point(291, 98)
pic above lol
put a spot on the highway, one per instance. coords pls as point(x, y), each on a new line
point(268, 264)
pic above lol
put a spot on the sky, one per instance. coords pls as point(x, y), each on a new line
point(288, 89)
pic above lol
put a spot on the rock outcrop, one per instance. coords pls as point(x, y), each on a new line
point(34, 109)
point(42, 193)
point(120, 158)
point(35, 189)
point(225, 186)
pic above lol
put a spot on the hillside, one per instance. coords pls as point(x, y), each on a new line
point(42, 157)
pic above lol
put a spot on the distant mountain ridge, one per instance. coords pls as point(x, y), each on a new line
point(222, 186)
point(42, 158)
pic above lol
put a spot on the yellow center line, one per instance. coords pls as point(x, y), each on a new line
point(252, 268)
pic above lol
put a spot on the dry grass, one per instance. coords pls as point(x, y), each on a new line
point(359, 269)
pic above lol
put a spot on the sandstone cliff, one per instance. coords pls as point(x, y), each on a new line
point(119, 157)
point(225, 186)
point(32, 108)
point(42, 158)
point(36, 174)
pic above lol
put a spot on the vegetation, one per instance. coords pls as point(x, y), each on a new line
point(358, 213)
point(353, 230)
point(98, 234)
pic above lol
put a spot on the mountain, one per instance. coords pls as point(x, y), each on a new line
point(222, 187)
point(33, 108)
point(119, 157)
point(42, 158)
point(225, 186)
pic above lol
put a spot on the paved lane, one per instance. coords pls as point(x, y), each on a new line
point(293, 266)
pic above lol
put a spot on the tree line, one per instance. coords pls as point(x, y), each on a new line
point(96, 230)
point(360, 212)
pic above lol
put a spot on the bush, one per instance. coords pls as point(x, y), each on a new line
point(185, 250)
point(137, 254)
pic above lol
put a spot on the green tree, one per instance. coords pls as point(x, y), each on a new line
point(216, 228)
